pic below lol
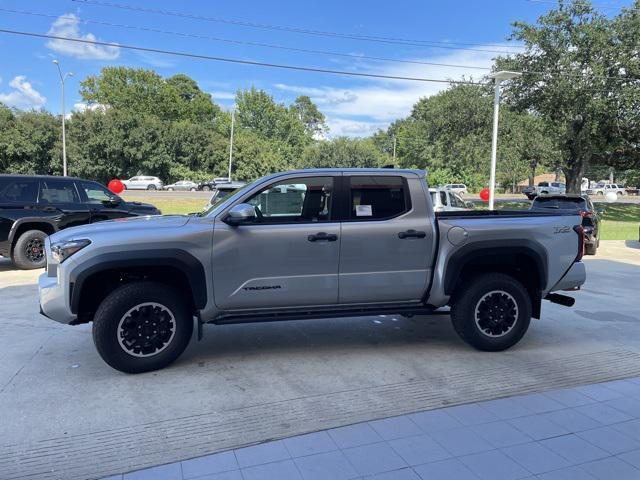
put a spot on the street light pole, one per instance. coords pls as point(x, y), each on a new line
point(233, 121)
point(64, 136)
point(499, 77)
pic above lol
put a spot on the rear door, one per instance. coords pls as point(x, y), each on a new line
point(387, 244)
point(60, 199)
point(288, 256)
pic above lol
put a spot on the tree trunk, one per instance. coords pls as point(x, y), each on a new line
point(532, 173)
point(574, 173)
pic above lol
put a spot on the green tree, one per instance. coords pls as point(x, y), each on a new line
point(344, 152)
point(144, 92)
point(310, 116)
point(581, 76)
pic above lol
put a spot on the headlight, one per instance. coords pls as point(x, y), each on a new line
point(63, 250)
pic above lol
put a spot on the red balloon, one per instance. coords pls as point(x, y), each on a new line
point(116, 186)
point(484, 194)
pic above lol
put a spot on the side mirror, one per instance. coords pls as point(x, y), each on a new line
point(241, 213)
point(113, 202)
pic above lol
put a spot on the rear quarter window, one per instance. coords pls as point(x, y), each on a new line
point(14, 190)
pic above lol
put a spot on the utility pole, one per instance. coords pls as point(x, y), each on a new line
point(64, 136)
point(498, 77)
point(233, 121)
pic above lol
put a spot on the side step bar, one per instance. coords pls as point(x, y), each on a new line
point(563, 300)
point(228, 318)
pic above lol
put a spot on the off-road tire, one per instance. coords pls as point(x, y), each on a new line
point(591, 248)
point(116, 305)
point(463, 311)
point(21, 258)
point(206, 188)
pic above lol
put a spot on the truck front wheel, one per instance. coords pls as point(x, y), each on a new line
point(492, 312)
point(143, 326)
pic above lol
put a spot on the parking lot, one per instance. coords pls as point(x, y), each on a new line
point(66, 414)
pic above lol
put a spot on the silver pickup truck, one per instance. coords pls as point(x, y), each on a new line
point(308, 244)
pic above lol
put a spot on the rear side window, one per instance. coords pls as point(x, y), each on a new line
point(13, 190)
point(58, 191)
point(377, 198)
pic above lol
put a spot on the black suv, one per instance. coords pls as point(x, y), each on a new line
point(580, 204)
point(32, 207)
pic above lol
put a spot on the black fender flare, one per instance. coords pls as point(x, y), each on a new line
point(189, 265)
point(500, 249)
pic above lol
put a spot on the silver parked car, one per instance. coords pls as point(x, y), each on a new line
point(182, 185)
point(143, 183)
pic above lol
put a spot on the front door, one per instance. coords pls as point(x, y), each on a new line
point(387, 244)
point(103, 204)
point(60, 200)
point(288, 256)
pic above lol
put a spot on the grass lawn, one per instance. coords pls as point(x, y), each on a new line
point(169, 206)
point(620, 221)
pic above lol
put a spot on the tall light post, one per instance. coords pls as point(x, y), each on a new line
point(63, 77)
point(233, 121)
point(499, 77)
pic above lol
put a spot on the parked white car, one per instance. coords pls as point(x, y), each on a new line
point(445, 200)
point(182, 185)
point(459, 188)
point(551, 188)
point(604, 188)
point(143, 183)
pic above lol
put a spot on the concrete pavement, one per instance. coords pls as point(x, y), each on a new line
point(590, 432)
point(65, 414)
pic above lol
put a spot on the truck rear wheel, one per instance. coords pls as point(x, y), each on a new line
point(492, 312)
point(143, 326)
point(28, 251)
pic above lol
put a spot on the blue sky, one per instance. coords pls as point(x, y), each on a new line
point(353, 106)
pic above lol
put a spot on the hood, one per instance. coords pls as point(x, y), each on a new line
point(141, 207)
point(121, 225)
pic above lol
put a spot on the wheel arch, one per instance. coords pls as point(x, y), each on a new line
point(525, 260)
point(94, 279)
point(25, 224)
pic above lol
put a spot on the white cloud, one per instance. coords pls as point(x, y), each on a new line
point(374, 103)
point(68, 26)
point(82, 107)
point(223, 95)
point(23, 95)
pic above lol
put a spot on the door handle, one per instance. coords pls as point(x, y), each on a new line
point(50, 209)
point(411, 234)
point(322, 237)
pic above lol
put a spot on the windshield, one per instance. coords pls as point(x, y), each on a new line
point(222, 196)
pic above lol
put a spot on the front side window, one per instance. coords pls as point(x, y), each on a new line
point(96, 193)
point(295, 200)
point(377, 197)
point(18, 190)
point(58, 191)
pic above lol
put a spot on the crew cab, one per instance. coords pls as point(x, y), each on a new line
point(32, 207)
point(309, 244)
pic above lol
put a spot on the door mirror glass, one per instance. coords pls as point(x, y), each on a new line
point(241, 213)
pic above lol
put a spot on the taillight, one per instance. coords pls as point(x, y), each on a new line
point(580, 231)
point(584, 213)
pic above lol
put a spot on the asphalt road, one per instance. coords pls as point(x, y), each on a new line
point(65, 414)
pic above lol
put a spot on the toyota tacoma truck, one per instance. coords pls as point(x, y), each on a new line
point(309, 244)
